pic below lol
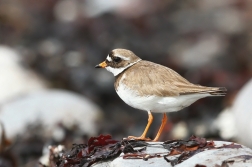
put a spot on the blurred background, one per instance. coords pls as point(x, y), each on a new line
point(50, 92)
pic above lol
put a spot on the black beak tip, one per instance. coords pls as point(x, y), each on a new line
point(97, 66)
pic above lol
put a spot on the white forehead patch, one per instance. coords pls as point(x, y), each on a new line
point(109, 58)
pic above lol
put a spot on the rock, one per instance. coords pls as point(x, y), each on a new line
point(94, 8)
point(243, 114)
point(55, 151)
point(104, 151)
point(235, 123)
point(14, 77)
point(235, 157)
point(50, 107)
point(211, 46)
point(225, 124)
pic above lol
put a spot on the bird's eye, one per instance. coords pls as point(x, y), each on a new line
point(117, 59)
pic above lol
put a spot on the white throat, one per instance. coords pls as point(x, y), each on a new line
point(117, 71)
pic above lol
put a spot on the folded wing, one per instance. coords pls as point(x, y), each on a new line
point(155, 79)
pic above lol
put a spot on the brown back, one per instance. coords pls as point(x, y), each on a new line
point(153, 79)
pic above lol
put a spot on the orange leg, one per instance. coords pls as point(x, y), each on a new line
point(164, 120)
point(143, 136)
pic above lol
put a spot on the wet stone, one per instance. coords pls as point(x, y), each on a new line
point(103, 151)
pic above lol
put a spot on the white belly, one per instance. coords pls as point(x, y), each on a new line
point(156, 103)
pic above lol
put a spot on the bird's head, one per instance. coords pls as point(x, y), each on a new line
point(118, 60)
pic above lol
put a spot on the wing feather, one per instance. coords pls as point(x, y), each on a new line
point(155, 79)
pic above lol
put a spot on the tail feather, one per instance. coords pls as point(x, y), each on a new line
point(219, 91)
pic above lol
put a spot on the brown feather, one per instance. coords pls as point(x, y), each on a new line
point(153, 79)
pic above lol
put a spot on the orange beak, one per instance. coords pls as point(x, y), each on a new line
point(101, 65)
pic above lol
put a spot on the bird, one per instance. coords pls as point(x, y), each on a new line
point(152, 87)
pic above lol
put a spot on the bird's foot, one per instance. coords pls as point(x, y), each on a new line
point(139, 138)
